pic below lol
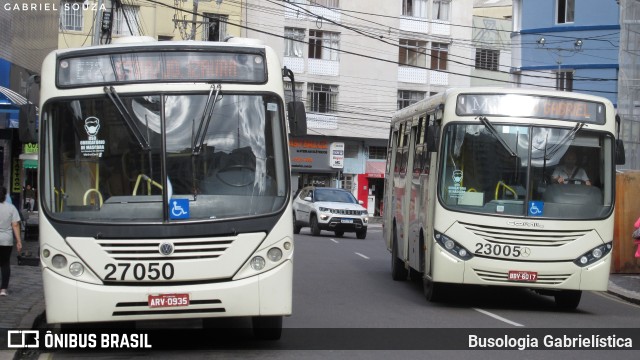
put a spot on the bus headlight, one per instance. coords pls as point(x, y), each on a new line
point(258, 263)
point(59, 261)
point(274, 254)
point(593, 255)
point(452, 246)
point(76, 269)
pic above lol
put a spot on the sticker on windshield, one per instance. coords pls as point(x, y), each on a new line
point(178, 209)
point(457, 191)
point(272, 107)
point(92, 147)
point(535, 208)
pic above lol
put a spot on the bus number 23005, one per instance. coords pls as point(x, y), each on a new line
point(502, 250)
point(150, 271)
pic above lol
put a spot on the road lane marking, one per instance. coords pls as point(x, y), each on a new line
point(497, 317)
point(335, 241)
point(363, 256)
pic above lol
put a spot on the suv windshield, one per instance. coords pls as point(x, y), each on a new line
point(528, 171)
point(110, 162)
point(335, 196)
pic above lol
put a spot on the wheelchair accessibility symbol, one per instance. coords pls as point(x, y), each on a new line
point(535, 208)
point(178, 209)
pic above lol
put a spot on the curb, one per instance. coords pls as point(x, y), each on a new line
point(626, 295)
point(34, 319)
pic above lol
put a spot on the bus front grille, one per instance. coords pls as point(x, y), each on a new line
point(148, 250)
point(503, 277)
point(524, 237)
point(194, 307)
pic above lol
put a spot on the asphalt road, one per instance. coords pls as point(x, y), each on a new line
point(347, 306)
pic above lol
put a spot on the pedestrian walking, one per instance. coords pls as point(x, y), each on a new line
point(636, 239)
point(9, 227)
point(29, 198)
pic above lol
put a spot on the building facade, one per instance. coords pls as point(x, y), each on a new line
point(27, 35)
point(355, 63)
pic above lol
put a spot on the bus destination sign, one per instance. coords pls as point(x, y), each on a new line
point(161, 66)
point(530, 106)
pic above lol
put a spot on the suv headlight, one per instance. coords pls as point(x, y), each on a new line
point(324, 209)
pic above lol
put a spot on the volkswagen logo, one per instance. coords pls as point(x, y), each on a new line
point(166, 248)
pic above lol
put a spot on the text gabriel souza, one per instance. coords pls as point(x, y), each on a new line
point(91, 341)
point(550, 342)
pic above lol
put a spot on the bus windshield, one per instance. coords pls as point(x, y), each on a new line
point(120, 157)
point(527, 171)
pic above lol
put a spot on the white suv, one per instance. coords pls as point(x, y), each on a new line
point(329, 209)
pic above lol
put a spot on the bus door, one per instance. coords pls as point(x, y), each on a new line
point(409, 195)
point(432, 144)
point(389, 185)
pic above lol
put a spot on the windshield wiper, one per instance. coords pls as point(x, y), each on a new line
point(196, 146)
point(569, 136)
point(496, 134)
point(122, 109)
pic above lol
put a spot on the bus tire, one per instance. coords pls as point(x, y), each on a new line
point(339, 233)
point(313, 224)
point(267, 327)
point(432, 290)
point(361, 234)
point(398, 271)
point(568, 299)
point(296, 227)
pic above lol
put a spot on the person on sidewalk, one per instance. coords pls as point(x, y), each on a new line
point(29, 198)
point(637, 241)
point(9, 227)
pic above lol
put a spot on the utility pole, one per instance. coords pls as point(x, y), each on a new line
point(194, 20)
point(97, 24)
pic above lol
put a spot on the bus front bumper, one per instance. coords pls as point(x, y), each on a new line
point(70, 301)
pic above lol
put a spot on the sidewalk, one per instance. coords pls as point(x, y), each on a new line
point(25, 304)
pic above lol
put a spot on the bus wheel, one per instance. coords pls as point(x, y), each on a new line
point(296, 227)
point(339, 233)
point(568, 299)
point(315, 228)
point(432, 290)
point(398, 271)
point(267, 327)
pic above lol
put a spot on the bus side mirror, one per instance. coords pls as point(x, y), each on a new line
point(620, 156)
point(297, 118)
point(27, 130)
point(433, 138)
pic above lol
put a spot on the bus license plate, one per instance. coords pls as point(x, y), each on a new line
point(168, 300)
point(347, 221)
point(527, 276)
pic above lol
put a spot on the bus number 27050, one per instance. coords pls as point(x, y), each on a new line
point(150, 271)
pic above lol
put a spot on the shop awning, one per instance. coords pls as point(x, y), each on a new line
point(375, 169)
point(30, 164)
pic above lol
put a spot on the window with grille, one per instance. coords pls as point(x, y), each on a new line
point(377, 152)
point(414, 8)
point(407, 97)
point(487, 59)
point(214, 27)
point(439, 54)
point(441, 9)
point(127, 20)
point(412, 52)
point(322, 98)
point(566, 11)
point(293, 42)
point(564, 80)
point(335, 4)
point(324, 45)
point(71, 15)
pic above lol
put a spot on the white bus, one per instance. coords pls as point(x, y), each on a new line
point(473, 196)
point(164, 183)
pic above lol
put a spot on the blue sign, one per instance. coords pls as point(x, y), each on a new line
point(178, 209)
point(536, 208)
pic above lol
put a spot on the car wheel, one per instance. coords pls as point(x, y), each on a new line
point(339, 233)
point(296, 227)
point(315, 228)
point(361, 234)
point(398, 271)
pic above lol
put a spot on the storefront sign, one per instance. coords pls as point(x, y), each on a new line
point(15, 176)
point(309, 154)
point(337, 155)
point(30, 148)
